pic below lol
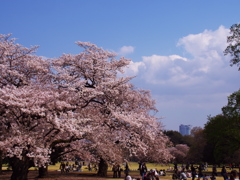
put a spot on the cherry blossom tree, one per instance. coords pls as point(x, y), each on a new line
point(180, 152)
point(109, 104)
point(78, 103)
point(24, 98)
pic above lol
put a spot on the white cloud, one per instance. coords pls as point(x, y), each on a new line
point(174, 57)
point(197, 85)
point(134, 68)
point(207, 65)
point(126, 50)
point(161, 69)
point(203, 43)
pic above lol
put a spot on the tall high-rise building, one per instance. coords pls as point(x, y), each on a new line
point(185, 129)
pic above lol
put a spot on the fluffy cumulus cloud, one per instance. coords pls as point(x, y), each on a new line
point(126, 50)
point(134, 68)
point(200, 82)
point(206, 63)
point(164, 69)
point(205, 43)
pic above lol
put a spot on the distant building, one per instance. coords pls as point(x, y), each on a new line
point(185, 129)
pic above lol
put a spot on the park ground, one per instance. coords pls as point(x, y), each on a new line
point(55, 174)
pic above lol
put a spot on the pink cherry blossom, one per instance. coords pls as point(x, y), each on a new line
point(80, 103)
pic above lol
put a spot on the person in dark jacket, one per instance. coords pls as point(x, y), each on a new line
point(224, 173)
point(193, 171)
point(143, 170)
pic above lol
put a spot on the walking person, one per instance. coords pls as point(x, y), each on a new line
point(214, 170)
point(224, 173)
point(115, 170)
point(67, 167)
point(119, 170)
point(194, 173)
point(126, 168)
point(206, 166)
point(89, 167)
point(200, 174)
point(175, 166)
point(143, 170)
point(62, 167)
point(187, 166)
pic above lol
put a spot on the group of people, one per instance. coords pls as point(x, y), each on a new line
point(197, 172)
point(233, 175)
point(183, 173)
point(117, 170)
point(188, 171)
point(152, 174)
point(67, 167)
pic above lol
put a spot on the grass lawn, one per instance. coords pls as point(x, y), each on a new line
point(55, 174)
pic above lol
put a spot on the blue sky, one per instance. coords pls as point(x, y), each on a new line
point(176, 46)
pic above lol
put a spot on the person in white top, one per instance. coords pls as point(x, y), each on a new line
point(183, 176)
point(128, 177)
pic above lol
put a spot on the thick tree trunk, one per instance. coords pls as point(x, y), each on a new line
point(43, 172)
point(1, 154)
point(102, 168)
point(20, 168)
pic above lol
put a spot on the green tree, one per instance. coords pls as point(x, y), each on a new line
point(217, 138)
point(222, 132)
point(177, 138)
point(232, 110)
point(233, 47)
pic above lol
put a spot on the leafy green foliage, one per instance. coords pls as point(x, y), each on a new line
point(234, 45)
point(222, 132)
point(177, 138)
point(233, 108)
point(215, 133)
